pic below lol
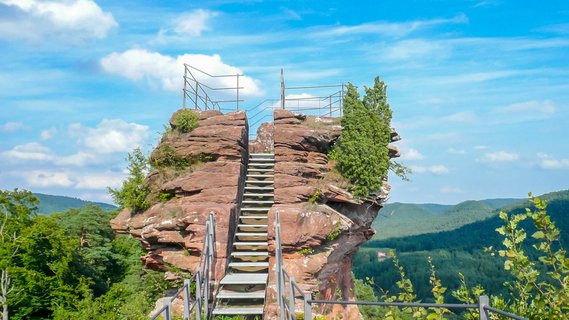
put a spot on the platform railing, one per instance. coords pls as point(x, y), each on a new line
point(198, 306)
point(288, 291)
point(196, 94)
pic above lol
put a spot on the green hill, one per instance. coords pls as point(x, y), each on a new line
point(407, 219)
point(459, 250)
point(50, 203)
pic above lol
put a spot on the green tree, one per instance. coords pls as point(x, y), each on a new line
point(134, 190)
point(361, 153)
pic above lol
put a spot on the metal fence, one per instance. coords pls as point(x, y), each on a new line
point(196, 96)
point(288, 291)
point(198, 306)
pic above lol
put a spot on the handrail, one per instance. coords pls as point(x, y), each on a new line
point(194, 90)
point(286, 294)
point(202, 278)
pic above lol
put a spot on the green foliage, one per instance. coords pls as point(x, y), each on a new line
point(400, 170)
point(335, 233)
point(133, 191)
point(186, 120)
point(306, 251)
point(315, 196)
point(166, 157)
point(71, 266)
point(164, 196)
point(361, 153)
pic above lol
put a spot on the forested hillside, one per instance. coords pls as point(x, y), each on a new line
point(453, 252)
point(50, 203)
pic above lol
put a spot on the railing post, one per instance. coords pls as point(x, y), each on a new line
point(237, 91)
point(307, 307)
point(282, 90)
point(198, 295)
point(168, 309)
point(482, 302)
point(291, 297)
point(187, 299)
point(185, 87)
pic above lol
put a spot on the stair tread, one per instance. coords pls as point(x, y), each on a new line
point(250, 253)
point(245, 278)
point(254, 217)
point(256, 209)
point(260, 164)
point(261, 175)
point(238, 310)
point(257, 201)
point(230, 294)
point(249, 264)
point(253, 225)
point(258, 194)
point(243, 234)
point(251, 243)
point(259, 188)
point(259, 182)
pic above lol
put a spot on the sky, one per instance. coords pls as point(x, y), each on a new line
point(479, 89)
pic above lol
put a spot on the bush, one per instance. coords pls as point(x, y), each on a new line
point(361, 153)
point(134, 190)
point(186, 120)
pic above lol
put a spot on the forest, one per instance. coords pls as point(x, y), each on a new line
point(70, 265)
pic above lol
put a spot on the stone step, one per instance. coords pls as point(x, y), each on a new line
point(257, 202)
point(261, 160)
point(260, 195)
point(251, 236)
point(231, 294)
point(245, 278)
point(238, 310)
point(251, 245)
point(253, 219)
point(250, 253)
point(249, 266)
point(262, 154)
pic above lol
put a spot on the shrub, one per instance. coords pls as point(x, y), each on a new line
point(132, 194)
point(186, 120)
point(361, 153)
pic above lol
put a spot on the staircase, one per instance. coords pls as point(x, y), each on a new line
point(243, 288)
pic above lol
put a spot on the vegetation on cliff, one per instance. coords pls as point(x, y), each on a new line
point(132, 194)
point(70, 265)
point(361, 153)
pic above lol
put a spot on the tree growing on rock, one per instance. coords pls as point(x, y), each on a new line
point(361, 154)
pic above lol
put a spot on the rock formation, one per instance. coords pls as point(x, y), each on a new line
point(197, 173)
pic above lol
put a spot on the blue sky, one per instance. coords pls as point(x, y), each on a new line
point(479, 89)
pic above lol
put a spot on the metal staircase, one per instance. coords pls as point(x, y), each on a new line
point(243, 288)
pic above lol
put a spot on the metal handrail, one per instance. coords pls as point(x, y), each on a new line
point(194, 90)
point(286, 295)
point(202, 278)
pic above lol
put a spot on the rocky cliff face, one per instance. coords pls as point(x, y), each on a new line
point(322, 224)
point(193, 174)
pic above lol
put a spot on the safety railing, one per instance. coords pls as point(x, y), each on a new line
point(288, 291)
point(322, 104)
point(195, 92)
point(199, 305)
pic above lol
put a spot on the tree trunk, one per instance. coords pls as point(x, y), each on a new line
point(5, 311)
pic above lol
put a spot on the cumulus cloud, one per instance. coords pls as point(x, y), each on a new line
point(12, 127)
point(548, 162)
point(46, 178)
point(456, 151)
point(411, 154)
point(48, 133)
point(166, 72)
point(28, 151)
point(436, 169)
point(499, 156)
point(71, 20)
point(73, 179)
point(111, 136)
point(99, 181)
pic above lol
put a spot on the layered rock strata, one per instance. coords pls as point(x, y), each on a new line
point(197, 173)
point(322, 224)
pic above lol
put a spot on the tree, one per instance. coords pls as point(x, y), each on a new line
point(16, 211)
point(134, 190)
point(361, 153)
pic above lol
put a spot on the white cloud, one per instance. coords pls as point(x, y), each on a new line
point(480, 147)
point(71, 19)
point(28, 151)
point(166, 72)
point(449, 189)
point(545, 107)
point(411, 154)
point(99, 181)
point(436, 169)
point(415, 49)
point(456, 151)
point(45, 178)
point(48, 133)
point(393, 29)
point(110, 136)
point(193, 23)
point(461, 117)
point(548, 162)
point(499, 156)
point(12, 127)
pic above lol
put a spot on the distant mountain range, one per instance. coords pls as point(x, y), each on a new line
point(50, 203)
point(407, 219)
